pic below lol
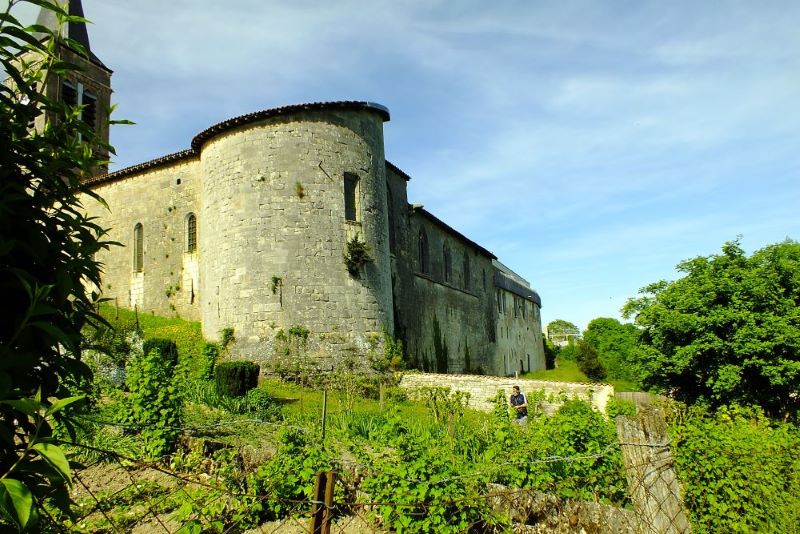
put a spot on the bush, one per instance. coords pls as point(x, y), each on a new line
point(209, 361)
point(166, 347)
point(236, 378)
point(739, 470)
point(589, 361)
point(155, 404)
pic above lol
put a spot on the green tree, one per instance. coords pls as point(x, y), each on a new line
point(562, 327)
point(728, 331)
point(588, 361)
point(616, 345)
point(47, 247)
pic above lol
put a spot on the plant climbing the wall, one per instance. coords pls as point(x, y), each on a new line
point(356, 255)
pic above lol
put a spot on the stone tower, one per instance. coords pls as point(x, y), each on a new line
point(90, 86)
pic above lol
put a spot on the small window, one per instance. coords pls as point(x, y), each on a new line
point(499, 295)
point(448, 266)
point(191, 233)
point(350, 197)
point(138, 248)
point(423, 252)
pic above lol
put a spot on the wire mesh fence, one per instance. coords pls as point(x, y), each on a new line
point(115, 493)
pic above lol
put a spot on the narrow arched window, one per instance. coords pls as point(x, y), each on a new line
point(390, 211)
point(423, 252)
point(351, 197)
point(448, 264)
point(138, 248)
point(465, 269)
point(191, 233)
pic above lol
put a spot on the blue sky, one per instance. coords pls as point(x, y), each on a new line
point(590, 145)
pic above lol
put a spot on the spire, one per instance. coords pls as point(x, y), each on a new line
point(73, 30)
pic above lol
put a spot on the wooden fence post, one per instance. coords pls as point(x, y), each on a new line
point(322, 510)
point(652, 481)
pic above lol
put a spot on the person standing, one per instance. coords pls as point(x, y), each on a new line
point(520, 404)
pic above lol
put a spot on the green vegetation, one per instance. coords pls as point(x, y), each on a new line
point(154, 406)
point(588, 361)
point(187, 335)
point(47, 247)
point(740, 471)
point(356, 255)
point(236, 378)
point(728, 331)
point(616, 346)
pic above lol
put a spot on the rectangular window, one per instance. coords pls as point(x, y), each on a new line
point(69, 94)
point(89, 112)
point(350, 197)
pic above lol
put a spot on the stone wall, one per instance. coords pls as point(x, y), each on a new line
point(159, 199)
point(449, 323)
point(273, 208)
point(519, 334)
point(482, 389)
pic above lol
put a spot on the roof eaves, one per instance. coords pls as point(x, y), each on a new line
point(397, 170)
point(141, 167)
point(416, 208)
point(226, 125)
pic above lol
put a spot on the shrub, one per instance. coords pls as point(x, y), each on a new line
point(166, 347)
point(155, 404)
point(589, 361)
point(738, 469)
point(236, 378)
point(209, 361)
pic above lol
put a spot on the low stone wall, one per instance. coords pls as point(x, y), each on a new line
point(482, 389)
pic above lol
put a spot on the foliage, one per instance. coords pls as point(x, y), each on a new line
point(562, 328)
point(728, 331)
point(616, 407)
point(573, 454)
point(740, 471)
point(275, 283)
point(166, 347)
point(569, 351)
point(47, 247)
point(287, 478)
point(356, 255)
point(616, 345)
point(235, 378)
point(589, 361)
point(209, 361)
point(550, 354)
point(392, 357)
point(187, 335)
point(224, 502)
point(226, 338)
point(426, 487)
point(155, 404)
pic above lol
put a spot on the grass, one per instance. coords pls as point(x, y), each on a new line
point(188, 335)
point(567, 371)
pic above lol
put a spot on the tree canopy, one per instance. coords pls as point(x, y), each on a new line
point(726, 332)
point(562, 327)
point(616, 345)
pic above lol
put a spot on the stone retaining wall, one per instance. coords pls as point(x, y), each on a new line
point(482, 389)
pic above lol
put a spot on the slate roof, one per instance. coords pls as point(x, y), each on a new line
point(73, 30)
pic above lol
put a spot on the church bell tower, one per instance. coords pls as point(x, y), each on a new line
point(89, 87)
